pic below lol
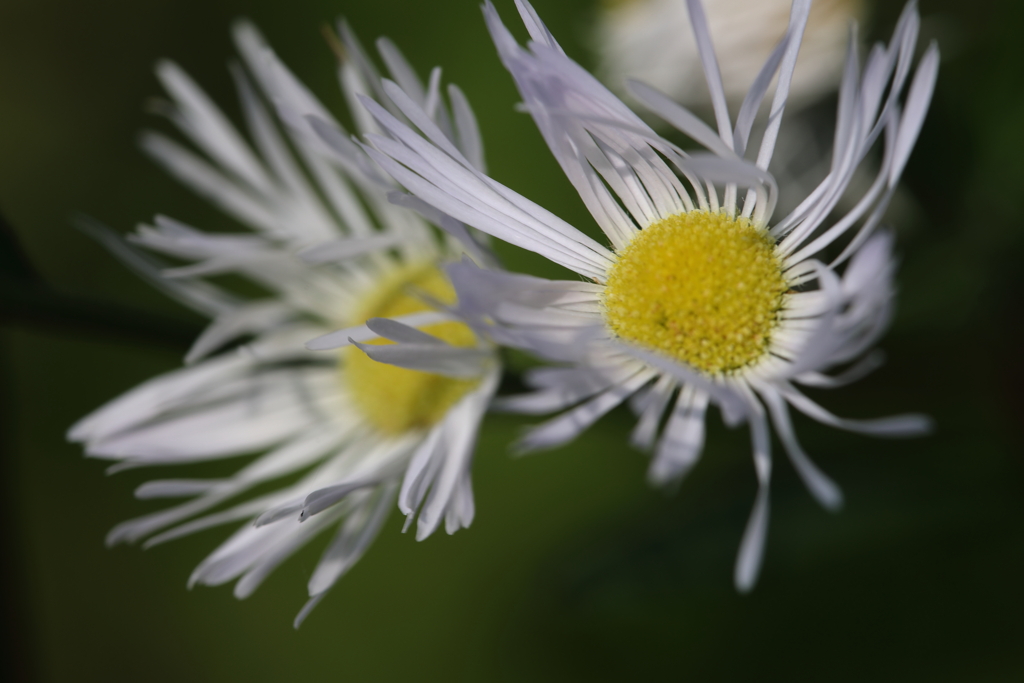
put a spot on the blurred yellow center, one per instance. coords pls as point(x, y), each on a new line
point(396, 400)
point(701, 287)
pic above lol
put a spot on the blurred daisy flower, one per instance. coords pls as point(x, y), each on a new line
point(652, 40)
point(705, 297)
point(327, 250)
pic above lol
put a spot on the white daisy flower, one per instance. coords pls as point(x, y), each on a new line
point(357, 435)
point(652, 40)
point(705, 297)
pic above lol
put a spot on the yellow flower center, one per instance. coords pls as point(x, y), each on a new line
point(704, 288)
point(396, 400)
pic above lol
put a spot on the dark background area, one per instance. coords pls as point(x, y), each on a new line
point(574, 569)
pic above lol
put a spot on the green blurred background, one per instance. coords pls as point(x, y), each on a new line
point(574, 569)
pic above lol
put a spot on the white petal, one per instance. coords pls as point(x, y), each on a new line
point(570, 424)
point(751, 553)
point(321, 499)
point(825, 491)
point(210, 129)
point(252, 318)
point(918, 99)
point(713, 77)
point(361, 333)
point(440, 359)
point(343, 249)
point(452, 485)
point(893, 426)
point(683, 438)
point(355, 535)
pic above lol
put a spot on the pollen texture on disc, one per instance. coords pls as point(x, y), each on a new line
point(396, 400)
point(702, 287)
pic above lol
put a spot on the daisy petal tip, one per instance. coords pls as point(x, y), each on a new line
point(76, 433)
point(926, 425)
point(522, 448)
point(313, 601)
point(835, 502)
point(912, 425)
point(115, 536)
point(746, 575)
point(656, 478)
point(325, 342)
point(744, 585)
point(259, 521)
point(152, 542)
